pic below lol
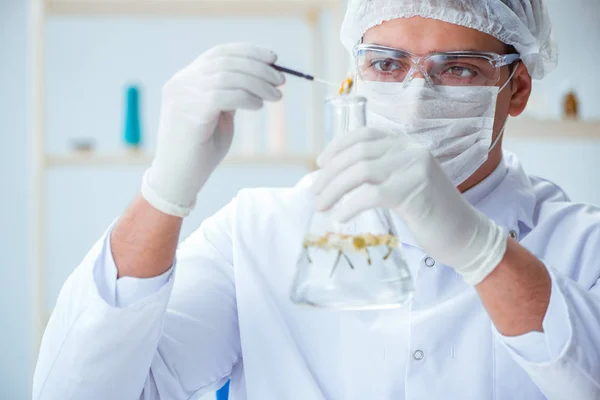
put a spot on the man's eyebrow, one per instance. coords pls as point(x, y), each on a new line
point(470, 49)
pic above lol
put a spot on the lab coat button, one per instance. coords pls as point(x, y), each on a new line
point(418, 355)
point(429, 262)
point(512, 234)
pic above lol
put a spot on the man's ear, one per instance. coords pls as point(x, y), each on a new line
point(521, 90)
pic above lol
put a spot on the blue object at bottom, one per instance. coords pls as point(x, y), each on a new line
point(223, 393)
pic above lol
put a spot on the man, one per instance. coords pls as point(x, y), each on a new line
point(506, 306)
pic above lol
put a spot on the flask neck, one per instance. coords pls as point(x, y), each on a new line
point(347, 113)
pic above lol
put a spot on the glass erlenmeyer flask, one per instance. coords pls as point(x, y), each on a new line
point(357, 265)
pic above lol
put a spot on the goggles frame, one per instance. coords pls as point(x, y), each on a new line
point(417, 62)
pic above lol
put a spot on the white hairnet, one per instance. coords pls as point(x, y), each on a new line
point(524, 24)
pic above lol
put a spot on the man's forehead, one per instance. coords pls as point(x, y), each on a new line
point(423, 35)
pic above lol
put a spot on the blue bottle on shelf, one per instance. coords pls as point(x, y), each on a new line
point(132, 134)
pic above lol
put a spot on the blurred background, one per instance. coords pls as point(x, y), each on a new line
point(80, 84)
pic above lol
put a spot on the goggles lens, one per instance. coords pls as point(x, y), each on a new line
point(448, 69)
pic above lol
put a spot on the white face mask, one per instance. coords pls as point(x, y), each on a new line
point(455, 123)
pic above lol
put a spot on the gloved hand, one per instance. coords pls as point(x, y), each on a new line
point(373, 169)
point(196, 122)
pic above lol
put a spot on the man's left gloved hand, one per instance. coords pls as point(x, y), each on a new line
point(370, 169)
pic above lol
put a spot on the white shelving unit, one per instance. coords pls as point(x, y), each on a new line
point(41, 162)
point(551, 130)
point(142, 160)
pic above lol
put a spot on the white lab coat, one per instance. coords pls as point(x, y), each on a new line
point(224, 312)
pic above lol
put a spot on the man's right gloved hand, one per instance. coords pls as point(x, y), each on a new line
point(196, 122)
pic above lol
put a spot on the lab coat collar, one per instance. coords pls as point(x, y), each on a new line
point(506, 196)
point(480, 191)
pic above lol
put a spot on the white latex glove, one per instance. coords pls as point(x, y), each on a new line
point(196, 122)
point(370, 169)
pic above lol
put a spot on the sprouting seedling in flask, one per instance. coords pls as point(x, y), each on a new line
point(347, 244)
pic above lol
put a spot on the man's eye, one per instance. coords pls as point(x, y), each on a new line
point(385, 65)
point(460, 72)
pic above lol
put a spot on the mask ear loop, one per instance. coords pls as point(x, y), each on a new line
point(512, 74)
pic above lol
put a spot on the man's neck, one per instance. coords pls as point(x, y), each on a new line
point(484, 171)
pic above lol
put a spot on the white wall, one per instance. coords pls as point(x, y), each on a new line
point(571, 163)
point(15, 301)
point(577, 32)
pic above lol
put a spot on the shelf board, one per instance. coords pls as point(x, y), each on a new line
point(186, 7)
point(144, 160)
point(550, 129)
